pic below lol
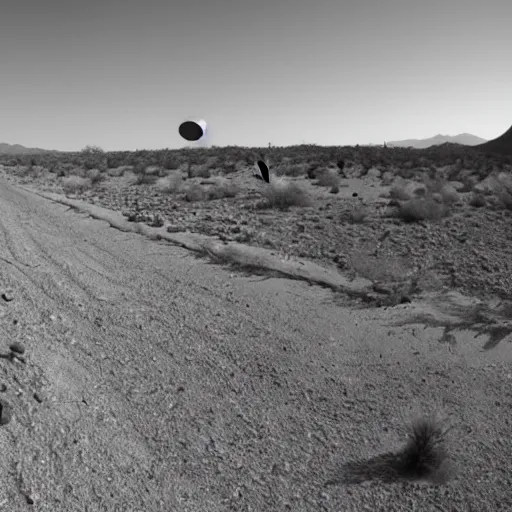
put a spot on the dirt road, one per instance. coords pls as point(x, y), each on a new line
point(164, 383)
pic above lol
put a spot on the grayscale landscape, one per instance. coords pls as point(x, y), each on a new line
point(255, 256)
point(197, 339)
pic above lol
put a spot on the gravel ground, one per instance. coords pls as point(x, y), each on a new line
point(164, 383)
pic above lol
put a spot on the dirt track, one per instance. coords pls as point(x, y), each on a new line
point(171, 384)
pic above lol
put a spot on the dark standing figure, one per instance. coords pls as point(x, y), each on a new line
point(262, 166)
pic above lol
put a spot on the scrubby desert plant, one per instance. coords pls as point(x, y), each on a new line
point(171, 184)
point(444, 189)
point(420, 209)
point(222, 190)
point(95, 176)
point(145, 179)
point(74, 184)
point(399, 193)
point(195, 193)
point(327, 178)
point(282, 195)
point(477, 200)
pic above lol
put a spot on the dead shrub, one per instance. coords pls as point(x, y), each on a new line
point(195, 193)
point(477, 200)
point(399, 193)
point(145, 179)
point(420, 209)
point(282, 195)
point(74, 184)
point(328, 179)
point(223, 190)
point(170, 184)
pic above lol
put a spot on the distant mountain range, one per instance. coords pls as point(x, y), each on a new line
point(465, 139)
point(501, 144)
point(17, 149)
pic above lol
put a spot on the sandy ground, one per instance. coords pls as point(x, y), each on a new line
point(166, 383)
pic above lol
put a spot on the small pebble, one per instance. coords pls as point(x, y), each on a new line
point(17, 347)
point(8, 295)
point(5, 412)
point(38, 397)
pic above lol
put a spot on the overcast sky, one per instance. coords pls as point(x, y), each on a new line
point(123, 74)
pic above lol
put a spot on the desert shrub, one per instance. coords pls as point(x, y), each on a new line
point(399, 193)
point(358, 215)
point(116, 172)
point(477, 200)
point(93, 157)
point(198, 171)
point(139, 168)
point(444, 189)
point(145, 179)
point(312, 170)
point(95, 176)
point(223, 190)
point(77, 171)
point(327, 179)
point(419, 209)
point(282, 195)
point(169, 162)
point(229, 167)
point(195, 193)
point(504, 199)
point(74, 184)
point(292, 170)
point(170, 184)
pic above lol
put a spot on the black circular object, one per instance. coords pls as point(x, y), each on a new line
point(191, 131)
point(355, 194)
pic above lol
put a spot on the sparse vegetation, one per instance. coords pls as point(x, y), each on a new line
point(421, 209)
point(283, 195)
point(328, 178)
point(75, 184)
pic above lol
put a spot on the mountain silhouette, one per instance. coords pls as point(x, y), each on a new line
point(466, 139)
point(501, 145)
point(17, 149)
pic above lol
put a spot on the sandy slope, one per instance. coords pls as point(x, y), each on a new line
point(171, 384)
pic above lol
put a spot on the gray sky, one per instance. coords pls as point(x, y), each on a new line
point(123, 74)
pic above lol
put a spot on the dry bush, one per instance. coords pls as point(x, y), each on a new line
point(328, 178)
point(145, 179)
point(282, 195)
point(195, 193)
point(292, 170)
point(444, 189)
point(505, 199)
point(358, 215)
point(74, 184)
point(223, 190)
point(95, 176)
point(419, 209)
point(477, 200)
point(170, 184)
point(77, 171)
point(116, 172)
point(504, 193)
point(399, 193)
point(199, 171)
